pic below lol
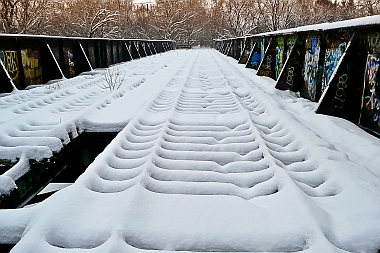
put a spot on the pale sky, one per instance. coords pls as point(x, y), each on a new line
point(143, 1)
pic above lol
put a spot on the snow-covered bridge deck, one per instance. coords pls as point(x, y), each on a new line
point(212, 158)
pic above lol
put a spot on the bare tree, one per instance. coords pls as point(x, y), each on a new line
point(93, 18)
point(168, 18)
point(23, 16)
point(277, 14)
point(368, 7)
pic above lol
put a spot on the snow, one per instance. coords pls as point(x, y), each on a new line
point(351, 23)
point(210, 158)
point(52, 187)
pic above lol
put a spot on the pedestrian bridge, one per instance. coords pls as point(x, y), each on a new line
point(206, 156)
point(210, 157)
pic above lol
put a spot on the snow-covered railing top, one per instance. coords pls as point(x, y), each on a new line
point(364, 22)
point(334, 64)
point(346, 24)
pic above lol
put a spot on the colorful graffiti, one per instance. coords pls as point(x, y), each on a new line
point(10, 61)
point(279, 56)
point(290, 79)
point(332, 58)
point(31, 62)
point(70, 61)
point(70, 57)
point(336, 45)
point(257, 55)
point(310, 67)
point(370, 116)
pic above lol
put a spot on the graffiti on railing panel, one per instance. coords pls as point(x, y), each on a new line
point(279, 56)
point(332, 57)
point(374, 42)
point(10, 60)
point(336, 45)
point(370, 116)
point(68, 54)
point(266, 68)
point(290, 42)
point(31, 62)
point(256, 59)
point(340, 94)
point(310, 67)
point(291, 76)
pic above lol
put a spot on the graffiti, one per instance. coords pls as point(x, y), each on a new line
point(340, 94)
point(279, 56)
point(374, 42)
point(336, 45)
point(290, 76)
point(332, 57)
point(371, 98)
point(310, 68)
point(269, 62)
point(256, 59)
point(265, 73)
point(10, 61)
point(31, 62)
point(290, 42)
point(70, 57)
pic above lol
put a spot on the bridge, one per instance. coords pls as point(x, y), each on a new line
point(186, 150)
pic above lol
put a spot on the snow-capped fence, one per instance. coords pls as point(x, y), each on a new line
point(333, 64)
point(28, 60)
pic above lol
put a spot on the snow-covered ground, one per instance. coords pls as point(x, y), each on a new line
point(212, 158)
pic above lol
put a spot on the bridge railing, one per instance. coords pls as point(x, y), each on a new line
point(29, 60)
point(335, 65)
